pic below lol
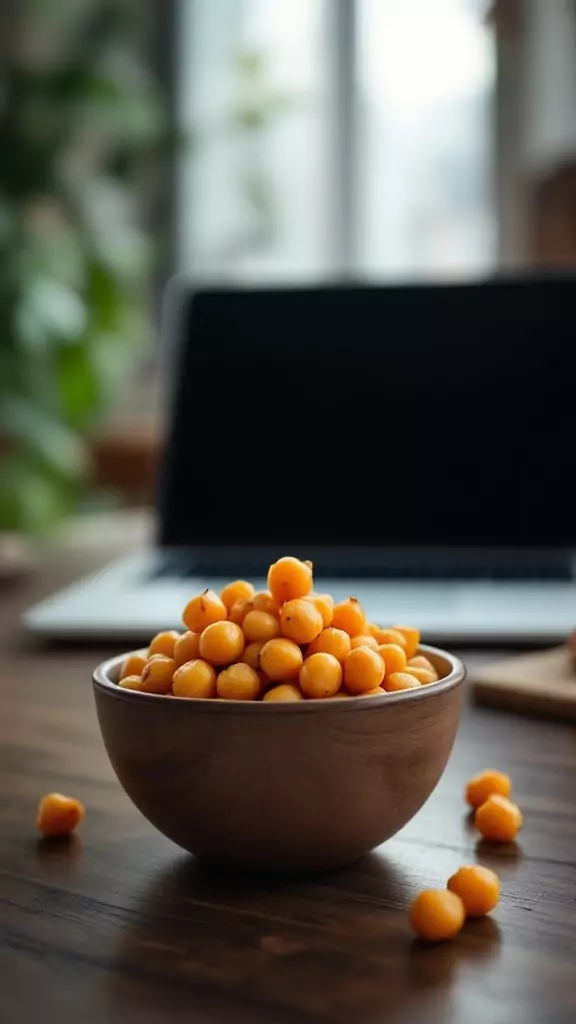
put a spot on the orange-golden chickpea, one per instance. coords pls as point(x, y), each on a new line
point(437, 914)
point(132, 683)
point(281, 660)
point(488, 783)
point(300, 621)
point(331, 641)
point(363, 641)
point(157, 674)
point(325, 605)
point(239, 682)
point(284, 692)
point(264, 602)
point(289, 578)
point(411, 636)
point(195, 679)
point(420, 661)
point(203, 610)
point(349, 616)
point(259, 627)
point(221, 643)
point(239, 611)
point(58, 815)
point(164, 643)
point(251, 655)
point(363, 670)
point(133, 665)
point(386, 636)
point(320, 676)
point(498, 819)
point(400, 681)
point(187, 647)
point(423, 676)
point(393, 657)
point(477, 887)
point(240, 590)
point(373, 630)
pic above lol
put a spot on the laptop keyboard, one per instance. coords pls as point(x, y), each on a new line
point(553, 566)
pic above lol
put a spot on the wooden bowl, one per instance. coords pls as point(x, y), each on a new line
point(273, 787)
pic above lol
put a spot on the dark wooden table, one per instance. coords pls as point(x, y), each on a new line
point(119, 925)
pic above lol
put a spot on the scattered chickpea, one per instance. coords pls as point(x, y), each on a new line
point(58, 815)
point(477, 887)
point(498, 819)
point(437, 915)
point(488, 783)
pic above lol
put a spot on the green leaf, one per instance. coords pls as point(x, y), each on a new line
point(30, 500)
point(54, 445)
point(104, 297)
point(251, 65)
point(80, 394)
point(49, 310)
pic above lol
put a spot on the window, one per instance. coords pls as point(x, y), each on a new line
point(425, 81)
point(253, 98)
point(336, 135)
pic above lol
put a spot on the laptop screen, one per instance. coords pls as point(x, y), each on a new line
point(380, 416)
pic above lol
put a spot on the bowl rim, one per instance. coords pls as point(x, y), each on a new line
point(102, 681)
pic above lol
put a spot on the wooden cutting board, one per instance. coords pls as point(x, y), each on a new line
point(542, 683)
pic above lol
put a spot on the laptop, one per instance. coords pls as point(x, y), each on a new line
point(417, 443)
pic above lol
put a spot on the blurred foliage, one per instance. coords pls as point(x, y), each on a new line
point(82, 135)
point(256, 109)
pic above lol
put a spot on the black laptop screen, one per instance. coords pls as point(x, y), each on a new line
point(375, 416)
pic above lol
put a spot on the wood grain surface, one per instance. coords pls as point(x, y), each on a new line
point(119, 925)
point(540, 683)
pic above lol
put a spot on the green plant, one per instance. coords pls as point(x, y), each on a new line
point(256, 109)
point(81, 133)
